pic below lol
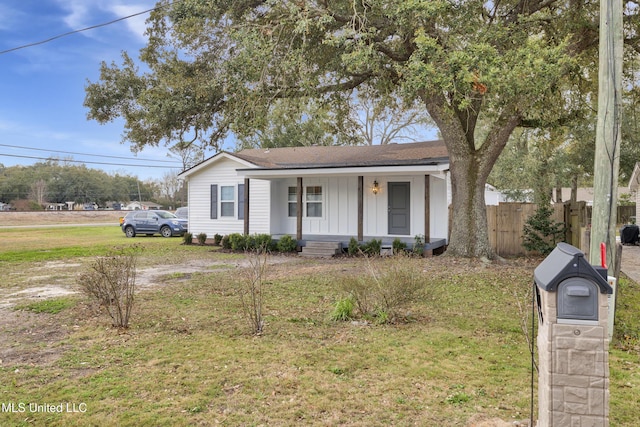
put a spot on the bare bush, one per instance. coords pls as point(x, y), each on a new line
point(251, 289)
point(388, 288)
point(111, 282)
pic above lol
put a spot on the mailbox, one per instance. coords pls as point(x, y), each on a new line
point(575, 281)
point(577, 299)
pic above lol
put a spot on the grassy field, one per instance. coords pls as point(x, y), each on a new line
point(189, 357)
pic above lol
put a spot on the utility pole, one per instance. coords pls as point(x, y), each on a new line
point(608, 135)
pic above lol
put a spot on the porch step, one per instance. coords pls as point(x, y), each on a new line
point(314, 249)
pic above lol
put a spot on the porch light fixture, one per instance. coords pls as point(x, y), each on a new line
point(375, 188)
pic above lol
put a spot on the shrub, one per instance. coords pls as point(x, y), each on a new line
point(202, 238)
point(372, 247)
point(111, 282)
point(187, 238)
point(217, 239)
point(238, 242)
point(261, 242)
point(541, 232)
point(251, 289)
point(226, 242)
point(354, 247)
point(398, 245)
point(387, 290)
point(287, 244)
point(418, 244)
point(343, 310)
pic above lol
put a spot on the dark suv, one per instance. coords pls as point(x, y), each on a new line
point(153, 222)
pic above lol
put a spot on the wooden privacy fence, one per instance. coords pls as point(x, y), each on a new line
point(506, 222)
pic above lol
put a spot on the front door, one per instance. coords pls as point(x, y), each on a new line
point(399, 208)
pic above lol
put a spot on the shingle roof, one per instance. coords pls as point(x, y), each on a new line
point(416, 153)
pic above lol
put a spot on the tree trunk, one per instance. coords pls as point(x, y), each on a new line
point(470, 167)
point(469, 229)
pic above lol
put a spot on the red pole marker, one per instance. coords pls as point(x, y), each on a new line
point(603, 254)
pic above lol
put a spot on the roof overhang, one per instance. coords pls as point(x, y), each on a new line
point(212, 160)
point(436, 169)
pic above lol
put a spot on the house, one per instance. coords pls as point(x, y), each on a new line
point(324, 193)
point(138, 206)
point(584, 194)
point(493, 196)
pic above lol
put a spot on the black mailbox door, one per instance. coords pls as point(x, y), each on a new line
point(578, 299)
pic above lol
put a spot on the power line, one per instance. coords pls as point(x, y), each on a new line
point(59, 36)
point(87, 154)
point(88, 162)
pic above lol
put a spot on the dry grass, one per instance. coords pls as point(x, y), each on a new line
point(188, 358)
point(59, 217)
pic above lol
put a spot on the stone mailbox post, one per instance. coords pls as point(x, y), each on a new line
point(573, 342)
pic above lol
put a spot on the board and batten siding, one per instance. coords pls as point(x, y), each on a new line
point(223, 173)
point(340, 206)
point(376, 218)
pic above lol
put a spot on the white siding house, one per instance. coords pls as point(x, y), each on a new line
point(216, 197)
point(324, 193)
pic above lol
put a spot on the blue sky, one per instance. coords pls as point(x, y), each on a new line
point(42, 87)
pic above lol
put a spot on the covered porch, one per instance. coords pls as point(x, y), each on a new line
point(364, 204)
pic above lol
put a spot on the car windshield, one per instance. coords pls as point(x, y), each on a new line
point(165, 215)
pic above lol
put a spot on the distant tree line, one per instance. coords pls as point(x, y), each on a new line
point(53, 181)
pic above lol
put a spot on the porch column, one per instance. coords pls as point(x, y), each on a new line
point(246, 206)
point(360, 208)
point(427, 209)
point(299, 210)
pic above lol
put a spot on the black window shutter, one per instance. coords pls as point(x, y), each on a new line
point(240, 201)
point(214, 201)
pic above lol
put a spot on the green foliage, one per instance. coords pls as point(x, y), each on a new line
point(226, 242)
point(372, 247)
point(287, 244)
point(238, 242)
point(262, 242)
point(458, 398)
point(398, 245)
point(51, 306)
point(354, 247)
point(466, 62)
point(202, 238)
point(187, 238)
point(217, 239)
point(418, 245)
point(343, 310)
point(56, 182)
point(541, 232)
point(250, 242)
point(626, 199)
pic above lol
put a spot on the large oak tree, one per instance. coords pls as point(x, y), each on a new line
point(218, 66)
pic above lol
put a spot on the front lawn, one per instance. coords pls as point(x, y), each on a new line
point(189, 358)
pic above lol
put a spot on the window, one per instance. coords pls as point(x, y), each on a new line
point(293, 201)
point(314, 201)
point(227, 201)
